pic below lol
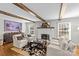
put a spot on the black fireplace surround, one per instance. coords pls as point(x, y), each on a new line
point(45, 36)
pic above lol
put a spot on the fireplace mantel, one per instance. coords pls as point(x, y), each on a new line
point(45, 28)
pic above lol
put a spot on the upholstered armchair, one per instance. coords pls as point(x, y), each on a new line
point(19, 41)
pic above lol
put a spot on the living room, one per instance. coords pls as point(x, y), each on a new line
point(39, 29)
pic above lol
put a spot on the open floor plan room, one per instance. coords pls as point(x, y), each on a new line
point(39, 29)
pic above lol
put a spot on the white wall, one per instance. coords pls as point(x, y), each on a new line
point(74, 30)
point(1, 29)
point(28, 25)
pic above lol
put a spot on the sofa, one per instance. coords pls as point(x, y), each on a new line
point(51, 51)
point(8, 37)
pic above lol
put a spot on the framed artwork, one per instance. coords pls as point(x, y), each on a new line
point(12, 26)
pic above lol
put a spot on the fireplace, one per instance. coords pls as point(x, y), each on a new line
point(45, 36)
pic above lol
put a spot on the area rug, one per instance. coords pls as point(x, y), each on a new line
point(20, 51)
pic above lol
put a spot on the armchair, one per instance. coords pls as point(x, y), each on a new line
point(19, 41)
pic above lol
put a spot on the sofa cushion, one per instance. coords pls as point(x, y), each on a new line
point(19, 38)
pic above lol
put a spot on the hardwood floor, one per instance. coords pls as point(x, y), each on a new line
point(5, 50)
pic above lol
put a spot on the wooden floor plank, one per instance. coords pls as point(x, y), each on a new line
point(5, 50)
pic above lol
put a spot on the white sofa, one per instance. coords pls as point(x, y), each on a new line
point(19, 43)
point(60, 48)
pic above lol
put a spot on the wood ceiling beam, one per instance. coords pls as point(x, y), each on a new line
point(25, 8)
point(15, 16)
point(60, 11)
point(64, 8)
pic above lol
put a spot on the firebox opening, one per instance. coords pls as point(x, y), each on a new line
point(45, 36)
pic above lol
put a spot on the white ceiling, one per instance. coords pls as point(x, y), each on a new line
point(8, 7)
point(72, 10)
point(48, 11)
point(45, 10)
point(4, 17)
